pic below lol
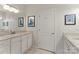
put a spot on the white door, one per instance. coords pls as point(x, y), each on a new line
point(16, 45)
point(46, 30)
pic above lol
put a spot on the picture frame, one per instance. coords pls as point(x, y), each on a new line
point(20, 21)
point(31, 21)
point(70, 19)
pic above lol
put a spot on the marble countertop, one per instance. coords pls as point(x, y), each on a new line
point(74, 39)
point(5, 37)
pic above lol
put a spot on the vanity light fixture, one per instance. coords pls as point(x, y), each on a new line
point(9, 8)
point(6, 7)
point(14, 10)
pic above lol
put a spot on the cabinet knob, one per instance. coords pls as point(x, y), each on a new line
point(39, 29)
point(52, 33)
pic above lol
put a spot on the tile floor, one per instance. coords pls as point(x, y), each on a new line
point(38, 51)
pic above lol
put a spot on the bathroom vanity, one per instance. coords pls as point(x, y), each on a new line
point(71, 43)
point(17, 43)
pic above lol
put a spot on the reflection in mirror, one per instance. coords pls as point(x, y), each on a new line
point(8, 22)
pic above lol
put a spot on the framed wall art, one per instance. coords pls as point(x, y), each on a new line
point(31, 21)
point(20, 21)
point(70, 19)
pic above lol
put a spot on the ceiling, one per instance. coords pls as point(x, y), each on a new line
point(40, 6)
point(25, 7)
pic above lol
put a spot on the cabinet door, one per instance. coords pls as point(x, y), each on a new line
point(16, 45)
point(5, 47)
point(69, 48)
point(66, 47)
point(29, 41)
point(24, 43)
point(73, 49)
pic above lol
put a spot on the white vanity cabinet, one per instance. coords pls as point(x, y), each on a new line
point(69, 48)
point(20, 44)
point(15, 45)
point(5, 46)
